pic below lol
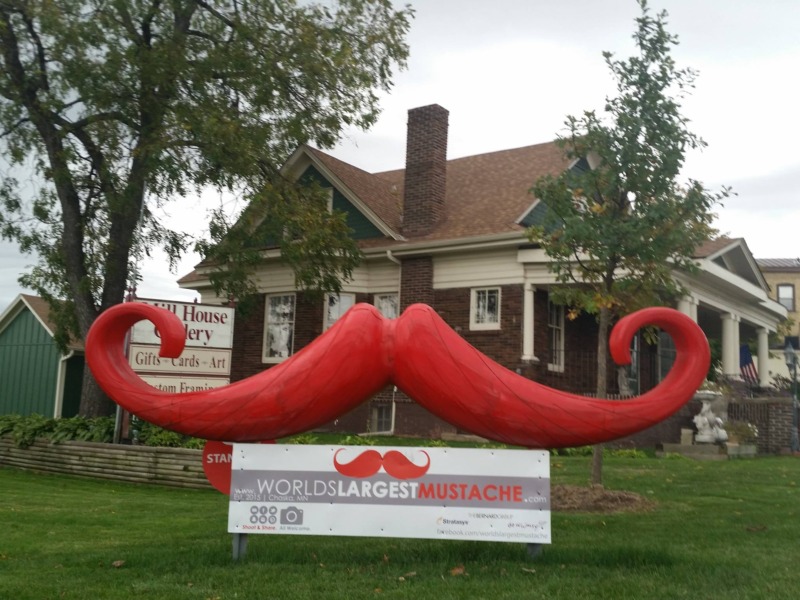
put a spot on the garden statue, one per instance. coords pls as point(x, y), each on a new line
point(363, 352)
point(709, 426)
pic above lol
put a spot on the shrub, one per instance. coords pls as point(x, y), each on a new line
point(578, 451)
point(98, 429)
point(627, 453)
point(25, 430)
point(357, 440)
point(741, 431)
point(302, 439)
point(148, 434)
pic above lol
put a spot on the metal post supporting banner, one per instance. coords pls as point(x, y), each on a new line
point(239, 545)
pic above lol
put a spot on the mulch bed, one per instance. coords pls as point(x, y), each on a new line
point(596, 499)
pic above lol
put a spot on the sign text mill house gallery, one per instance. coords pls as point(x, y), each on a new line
point(206, 359)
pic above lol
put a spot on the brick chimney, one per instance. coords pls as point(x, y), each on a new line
point(426, 166)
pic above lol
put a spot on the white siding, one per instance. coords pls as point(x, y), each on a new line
point(274, 277)
point(370, 277)
point(494, 267)
point(384, 276)
point(359, 282)
point(209, 296)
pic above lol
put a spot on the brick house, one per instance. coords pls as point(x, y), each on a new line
point(451, 234)
point(783, 277)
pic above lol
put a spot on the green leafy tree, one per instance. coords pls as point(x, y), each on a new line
point(113, 107)
point(620, 223)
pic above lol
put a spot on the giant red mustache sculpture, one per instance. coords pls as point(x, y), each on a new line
point(418, 352)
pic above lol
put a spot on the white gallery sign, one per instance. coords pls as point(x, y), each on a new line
point(206, 325)
point(372, 491)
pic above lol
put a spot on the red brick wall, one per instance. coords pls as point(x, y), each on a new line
point(248, 332)
point(411, 420)
point(416, 282)
point(503, 345)
point(772, 417)
point(248, 340)
point(426, 169)
point(667, 431)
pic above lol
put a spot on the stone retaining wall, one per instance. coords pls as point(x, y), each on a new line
point(174, 467)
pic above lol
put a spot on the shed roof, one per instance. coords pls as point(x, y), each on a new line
point(41, 310)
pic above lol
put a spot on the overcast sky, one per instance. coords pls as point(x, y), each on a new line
point(510, 71)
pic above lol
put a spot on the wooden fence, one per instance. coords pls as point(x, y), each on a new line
point(175, 467)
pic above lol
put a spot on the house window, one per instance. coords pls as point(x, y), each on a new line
point(666, 354)
point(786, 295)
point(485, 308)
point(381, 418)
point(631, 385)
point(335, 306)
point(388, 305)
point(279, 327)
point(555, 325)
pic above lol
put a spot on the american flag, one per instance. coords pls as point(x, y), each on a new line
point(746, 365)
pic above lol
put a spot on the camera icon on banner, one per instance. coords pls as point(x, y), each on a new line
point(291, 515)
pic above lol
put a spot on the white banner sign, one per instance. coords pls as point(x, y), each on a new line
point(205, 324)
point(371, 491)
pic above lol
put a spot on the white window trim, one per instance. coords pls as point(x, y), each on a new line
point(330, 199)
point(789, 286)
point(264, 348)
point(473, 309)
point(556, 359)
point(325, 324)
point(377, 297)
point(373, 418)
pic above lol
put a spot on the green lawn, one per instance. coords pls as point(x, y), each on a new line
point(719, 530)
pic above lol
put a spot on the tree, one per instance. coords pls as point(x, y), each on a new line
point(620, 222)
point(117, 106)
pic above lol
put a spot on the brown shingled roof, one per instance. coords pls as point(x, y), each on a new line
point(486, 193)
point(713, 246)
point(382, 196)
point(41, 309)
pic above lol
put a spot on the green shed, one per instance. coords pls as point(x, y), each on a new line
point(35, 377)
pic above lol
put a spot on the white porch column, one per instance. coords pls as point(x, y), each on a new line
point(527, 322)
point(730, 345)
point(763, 357)
point(688, 306)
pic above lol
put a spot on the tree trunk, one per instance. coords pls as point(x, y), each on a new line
point(94, 402)
point(601, 390)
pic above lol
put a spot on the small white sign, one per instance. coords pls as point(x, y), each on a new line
point(193, 361)
point(372, 491)
point(206, 325)
point(180, 385)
